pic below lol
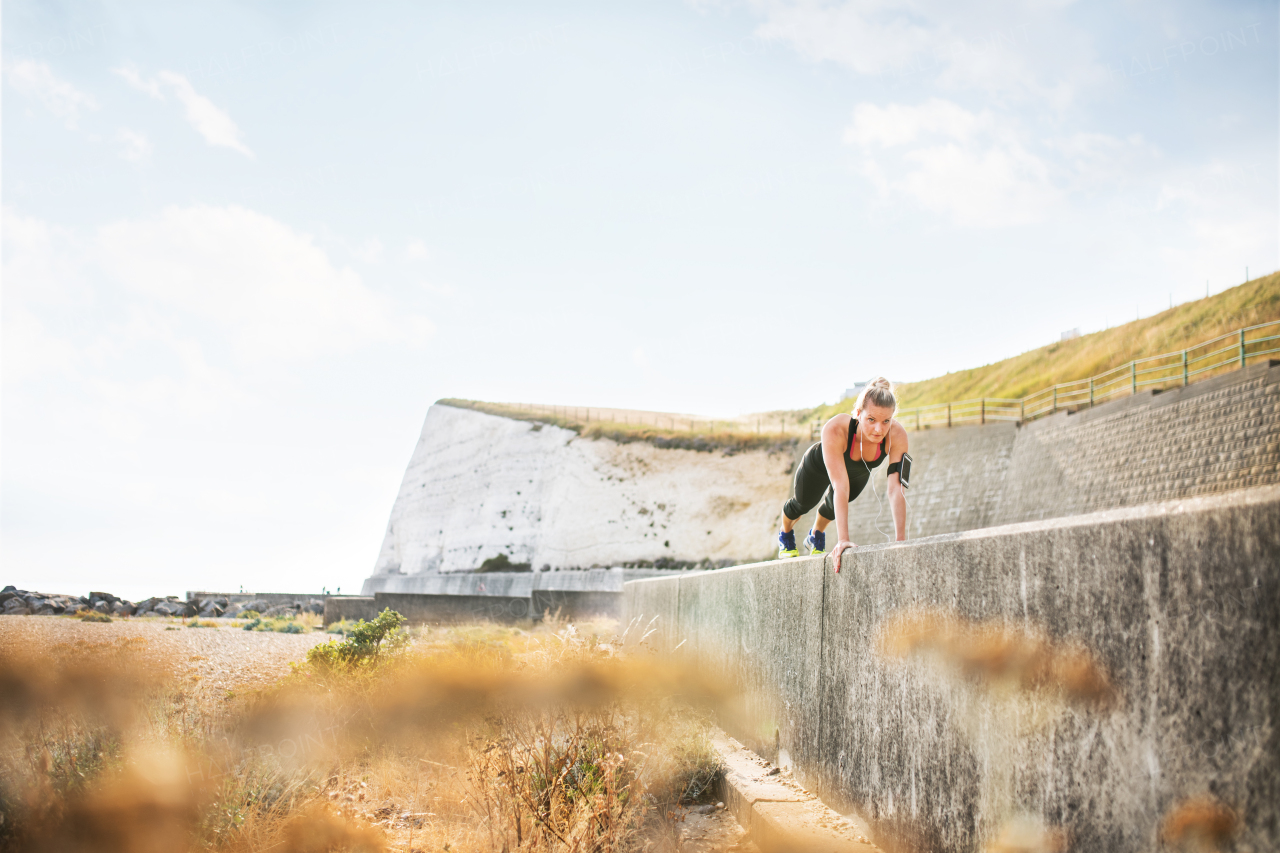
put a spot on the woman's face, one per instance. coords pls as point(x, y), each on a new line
point(873, 421)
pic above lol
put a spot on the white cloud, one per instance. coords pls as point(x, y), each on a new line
point(36, 80)
point(30, 350)
point(370, 251)
point(898, 124)
point(134, 146)
point(416, 251)
point(212, 123)
point(1020, 50)
point(267, 286)
point(439, 289)
point(973, 167)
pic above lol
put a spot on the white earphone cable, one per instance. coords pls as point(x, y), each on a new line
point(872, 481)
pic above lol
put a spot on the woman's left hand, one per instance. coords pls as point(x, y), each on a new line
point(841, 546)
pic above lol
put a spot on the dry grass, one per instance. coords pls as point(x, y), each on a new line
point(718, 436)
point(472, 738)
point(1089, 355)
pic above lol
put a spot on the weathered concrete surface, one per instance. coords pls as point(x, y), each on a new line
point(420, 609)
point(571, 594)
point(339, 607)
point(761, 627)
point(1178, 602)
point(779, 814)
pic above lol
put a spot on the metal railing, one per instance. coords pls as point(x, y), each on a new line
point(1231, 351)
point(774, 423)
point(1213, 357)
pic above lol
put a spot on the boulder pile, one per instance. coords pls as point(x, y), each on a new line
point(21, 602)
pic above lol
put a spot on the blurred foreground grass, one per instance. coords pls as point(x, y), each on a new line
point(477, 737)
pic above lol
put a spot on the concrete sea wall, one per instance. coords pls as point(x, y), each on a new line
point(1097, 680)
point(496, 596)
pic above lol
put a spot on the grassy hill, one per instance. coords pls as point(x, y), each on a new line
point(1182, 326)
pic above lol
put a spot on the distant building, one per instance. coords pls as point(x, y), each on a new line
point(850, 393)
point(1071, 334)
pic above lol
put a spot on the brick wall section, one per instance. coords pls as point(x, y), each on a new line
point(1215, 436)
point(1212, 436)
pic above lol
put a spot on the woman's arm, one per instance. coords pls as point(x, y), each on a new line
point(835, 438)
point(897, 498)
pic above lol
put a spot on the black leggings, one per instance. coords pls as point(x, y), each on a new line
point(812, 485)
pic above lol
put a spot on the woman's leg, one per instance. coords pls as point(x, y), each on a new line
point(811, 483)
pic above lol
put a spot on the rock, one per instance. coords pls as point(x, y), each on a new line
point(79, 607)
point(101, 606)
point(9, 592)
point(281, 610)
point(168, 608)
point(211, 610)
point(189, 609)
point(45, 608)
point(233, 610)
point(315, 606)
point(16, 607)
point(104, 596)
point(123, 608)
point(221, 601)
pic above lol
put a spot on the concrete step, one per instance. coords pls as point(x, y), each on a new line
point(779, 814)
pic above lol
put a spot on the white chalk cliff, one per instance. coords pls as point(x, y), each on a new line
point(479, 485)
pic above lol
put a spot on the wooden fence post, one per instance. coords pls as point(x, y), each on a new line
point(1055, 399)
point(982, 411)
point(1133, 378)
point(1242, 349)
point(1091, 392)
point(1184, 368)
point(948, 414)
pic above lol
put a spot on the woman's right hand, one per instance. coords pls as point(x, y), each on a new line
point(841, 546)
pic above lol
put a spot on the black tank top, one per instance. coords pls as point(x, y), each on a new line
point(850, 461)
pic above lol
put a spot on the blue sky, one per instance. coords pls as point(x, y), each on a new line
point(246, 246)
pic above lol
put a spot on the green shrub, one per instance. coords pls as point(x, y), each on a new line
point(250, 614)
point(367, 643)
point(292, 628)
point(502, 563)
point(95, 617)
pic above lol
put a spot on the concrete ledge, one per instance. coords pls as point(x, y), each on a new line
point(1172, 610)
point(778, 814)
point(451, 609)
point(339, 607)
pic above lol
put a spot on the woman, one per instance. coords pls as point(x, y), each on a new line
point(835, 470)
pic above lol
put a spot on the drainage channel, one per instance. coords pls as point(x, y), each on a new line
point(777, 813)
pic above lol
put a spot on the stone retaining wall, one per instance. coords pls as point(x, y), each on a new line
point(1146, 676)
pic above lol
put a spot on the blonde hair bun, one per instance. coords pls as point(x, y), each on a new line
point(877, 392)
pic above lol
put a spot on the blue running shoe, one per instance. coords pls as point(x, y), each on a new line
point(787, 545)
point(817, 542)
